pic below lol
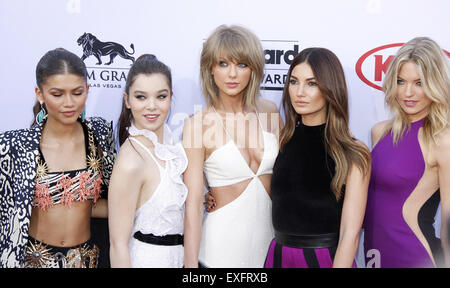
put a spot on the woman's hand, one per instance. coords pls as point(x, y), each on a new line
point(210, 202)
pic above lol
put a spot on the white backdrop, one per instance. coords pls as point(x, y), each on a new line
point(174, 31)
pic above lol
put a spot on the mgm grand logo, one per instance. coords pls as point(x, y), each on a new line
point(279, 55)
point(108, 75)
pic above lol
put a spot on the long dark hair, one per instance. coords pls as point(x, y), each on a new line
point(146, 64)
point(339, 142)
point(56, 62)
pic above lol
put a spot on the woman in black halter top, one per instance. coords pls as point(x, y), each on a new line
point(317, 224)
point(301, 184)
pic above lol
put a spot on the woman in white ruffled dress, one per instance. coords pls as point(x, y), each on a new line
point(147, 194)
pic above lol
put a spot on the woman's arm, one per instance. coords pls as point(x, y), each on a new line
point(352, 217)
point(193, 178)
point(100, 209)
point(124, 189)
point(108, 153)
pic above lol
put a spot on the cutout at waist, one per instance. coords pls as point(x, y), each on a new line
point(223, 195)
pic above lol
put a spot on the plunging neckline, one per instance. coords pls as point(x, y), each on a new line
point(231, 141)
point(235, 146)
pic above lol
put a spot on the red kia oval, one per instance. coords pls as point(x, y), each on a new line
point(363, 58)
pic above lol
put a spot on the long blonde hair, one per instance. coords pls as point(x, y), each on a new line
point(238, 44)
point(433, 69)
point(339, 142)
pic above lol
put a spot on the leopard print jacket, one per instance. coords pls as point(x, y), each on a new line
point(18, 161)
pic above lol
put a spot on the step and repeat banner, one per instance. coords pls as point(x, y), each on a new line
point(364, 34)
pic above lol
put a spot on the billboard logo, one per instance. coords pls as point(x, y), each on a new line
point(372, 65)
point(278, 55)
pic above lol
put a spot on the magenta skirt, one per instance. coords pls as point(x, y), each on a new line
point(280, 256)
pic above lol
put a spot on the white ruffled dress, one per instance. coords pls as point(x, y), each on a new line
point(163, 213)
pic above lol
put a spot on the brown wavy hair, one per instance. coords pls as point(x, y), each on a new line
point(340, 144)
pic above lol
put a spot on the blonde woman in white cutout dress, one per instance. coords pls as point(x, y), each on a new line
point(231, 146)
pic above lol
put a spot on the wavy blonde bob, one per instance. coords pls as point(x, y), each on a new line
point(236, 44)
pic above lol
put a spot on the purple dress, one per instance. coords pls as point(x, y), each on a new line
point(396, 171)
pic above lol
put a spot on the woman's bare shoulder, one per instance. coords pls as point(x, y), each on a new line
point(443, 140)
point(378, 130)
point(267, 106)
point(129, 159)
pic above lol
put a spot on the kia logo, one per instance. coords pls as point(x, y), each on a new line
point(374, 64)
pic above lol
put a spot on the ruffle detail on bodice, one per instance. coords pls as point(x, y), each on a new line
point(175, 159)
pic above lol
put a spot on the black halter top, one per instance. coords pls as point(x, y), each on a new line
point(302, 200)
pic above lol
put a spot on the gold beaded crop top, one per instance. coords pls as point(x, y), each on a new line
point(53, 188)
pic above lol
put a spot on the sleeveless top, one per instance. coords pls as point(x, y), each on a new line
point(238, 234)
point(163, 213)
point(396, 172)
point(226, 165)
point(53, 188)
point(302, 200)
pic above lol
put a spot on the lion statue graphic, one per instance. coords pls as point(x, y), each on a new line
point(92, 46)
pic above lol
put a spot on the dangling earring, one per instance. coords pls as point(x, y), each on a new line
point(42, 114)
point(83, 114)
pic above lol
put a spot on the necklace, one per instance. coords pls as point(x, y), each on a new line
point(93, 161)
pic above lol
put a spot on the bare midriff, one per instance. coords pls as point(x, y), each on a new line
point(226, 194)
point(62, 226)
